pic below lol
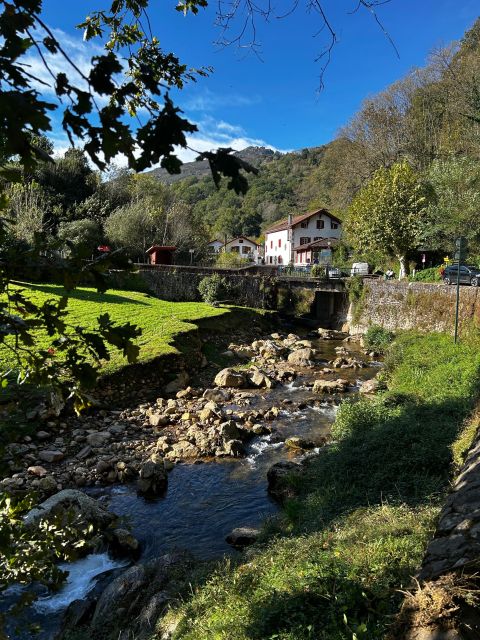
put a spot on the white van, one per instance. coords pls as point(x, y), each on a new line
point(359, 269)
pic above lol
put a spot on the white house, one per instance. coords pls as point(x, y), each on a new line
point(245, 247)
point(302, 239)
point(215, 246)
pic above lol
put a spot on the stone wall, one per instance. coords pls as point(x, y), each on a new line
point(181, 284)
point(413, 305)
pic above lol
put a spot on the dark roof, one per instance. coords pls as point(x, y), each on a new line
point(283, 224)
point(323, 243)
point(157, 247)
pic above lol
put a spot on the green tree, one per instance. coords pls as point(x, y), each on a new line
point(456, 209)
point(389, 214)
point(81, 233)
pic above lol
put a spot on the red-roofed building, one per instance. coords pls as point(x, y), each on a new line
point(160, 254)
point(302, 239)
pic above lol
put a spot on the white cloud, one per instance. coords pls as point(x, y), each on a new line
point(79, 52)
point(206, 100)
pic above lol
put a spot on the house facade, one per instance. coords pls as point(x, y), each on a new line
point(245, 247)
point(215, 246)
point(302, 240)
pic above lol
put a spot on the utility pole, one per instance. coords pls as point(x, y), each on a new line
point(461, 249)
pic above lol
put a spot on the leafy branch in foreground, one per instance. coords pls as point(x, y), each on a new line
point(68, 367)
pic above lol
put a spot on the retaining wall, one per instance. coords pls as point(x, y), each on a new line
point(413, 305)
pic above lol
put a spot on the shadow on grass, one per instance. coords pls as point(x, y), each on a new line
point(398, 456)
point(87, 296)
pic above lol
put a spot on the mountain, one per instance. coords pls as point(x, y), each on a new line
point(254, 155)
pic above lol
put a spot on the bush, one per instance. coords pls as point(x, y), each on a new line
point(427, 275)
point(231, 260)
point(377, 338)
point(213, 289)
point(317, 270)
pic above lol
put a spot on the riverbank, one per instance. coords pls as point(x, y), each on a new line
point(363, 512)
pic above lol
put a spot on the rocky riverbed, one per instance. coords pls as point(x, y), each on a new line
point(275, 403)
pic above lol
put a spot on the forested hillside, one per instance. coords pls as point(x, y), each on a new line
point(429, 119)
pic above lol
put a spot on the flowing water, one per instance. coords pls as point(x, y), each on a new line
point(205, 501)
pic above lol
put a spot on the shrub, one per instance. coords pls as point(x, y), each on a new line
point(377, 338)
point(317, 270)
point(427, 275)
point(213, 289)
point(231, 260)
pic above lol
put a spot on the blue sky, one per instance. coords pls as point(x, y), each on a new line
point(274, 100)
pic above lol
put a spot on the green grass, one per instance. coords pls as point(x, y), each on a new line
point(364, 511)
point(161, 322)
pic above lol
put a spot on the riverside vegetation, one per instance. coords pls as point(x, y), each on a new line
point(355, 532)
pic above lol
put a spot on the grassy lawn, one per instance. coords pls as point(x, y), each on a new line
point(161, 322)
point(355, 534)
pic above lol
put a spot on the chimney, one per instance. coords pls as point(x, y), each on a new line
point(290, 219)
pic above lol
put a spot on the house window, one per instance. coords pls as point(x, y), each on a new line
point(334, 225)
point(304, 224)
point(271, 244)
point(305, 240)
point(280, 243)
point(320, 224)
point(271, 259)
point(317, 238)
point(240, 242)
point(245, 249)
point(235, 249)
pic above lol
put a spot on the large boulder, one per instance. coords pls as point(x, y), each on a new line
point(182, 450)
point(152, 478)
point(330, 386)
point(131, 604)
point(278, 479)
point(370, 386)
point(70, 501)
point(242, 537)
point(301, 357)
point(230, 378)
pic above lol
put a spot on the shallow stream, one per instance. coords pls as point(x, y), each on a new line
point(206, 500)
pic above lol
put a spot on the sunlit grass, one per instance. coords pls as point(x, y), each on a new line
point(161, 322)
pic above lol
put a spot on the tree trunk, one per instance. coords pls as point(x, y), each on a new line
point(403, 272)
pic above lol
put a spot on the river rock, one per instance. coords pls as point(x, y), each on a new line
point(207, 413)
point(124, 542)
point(71, 500)
point(295, 442)
point(98, 438)
point(47, 484)
point(159, 420)
point(230, 431)
point(277, 477)
point(178, 383)
point(132, 603)
point(259, 379)
point(242, 537)
point(230, 378)
point(232, 448)
point(152, 478)
point(217, 395)
point(37, 470)
point(301, 357)
point(370, 386)
point(330, 386)
point(51, 455)
point(183, 450)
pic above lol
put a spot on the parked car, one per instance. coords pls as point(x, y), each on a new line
point(468, 275)
point(359, 269)
point(334, 272)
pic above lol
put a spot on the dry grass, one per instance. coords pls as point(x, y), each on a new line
point(435, 605)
